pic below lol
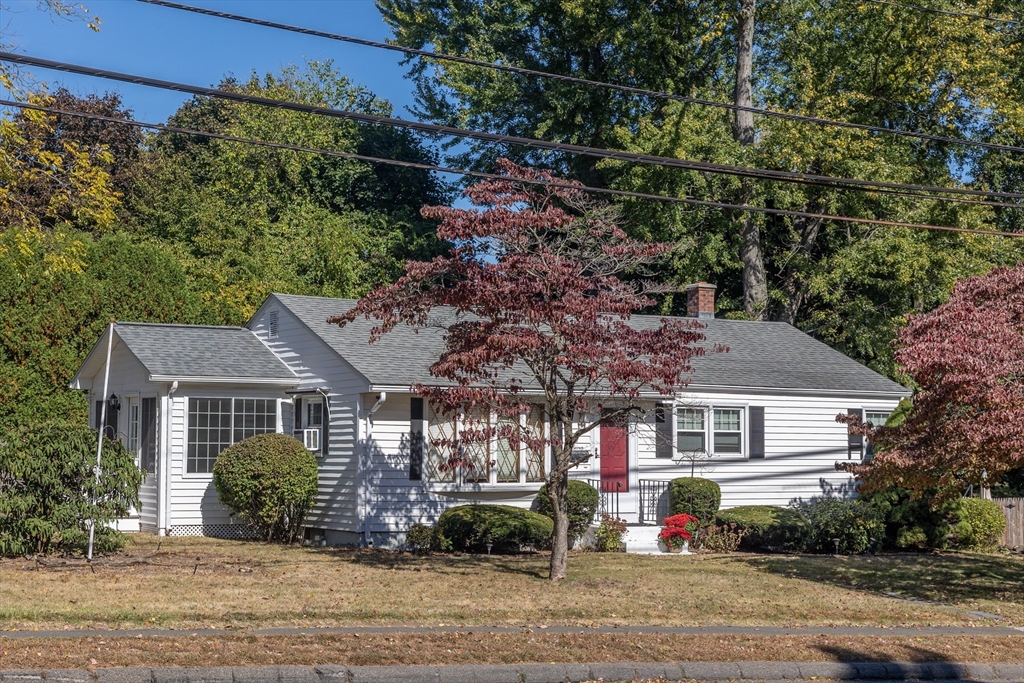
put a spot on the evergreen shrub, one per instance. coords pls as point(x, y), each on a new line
point(695, 496)
point(270, 480)
point(470, 528)
point(48, 489)
point(980, 524)
point(767, 527)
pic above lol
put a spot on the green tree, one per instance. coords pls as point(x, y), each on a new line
point(49, 491)
point(53, 317)
point(861, 62)
point(251, 219)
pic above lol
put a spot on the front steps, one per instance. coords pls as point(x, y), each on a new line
point(640, 539)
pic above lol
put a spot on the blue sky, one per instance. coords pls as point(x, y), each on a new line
point(180, 46)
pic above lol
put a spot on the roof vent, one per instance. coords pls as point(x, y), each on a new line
point(272, 326)
point(700, 300)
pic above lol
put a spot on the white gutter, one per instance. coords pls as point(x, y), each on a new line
point(272, 381)
point(381, 397)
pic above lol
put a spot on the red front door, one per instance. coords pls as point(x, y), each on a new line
point(614, 455)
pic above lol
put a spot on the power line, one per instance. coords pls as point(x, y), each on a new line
point(580, 81)
point(494, 176)
point(434, 129)
point(933, 10)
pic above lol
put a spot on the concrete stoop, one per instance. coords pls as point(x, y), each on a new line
point(536, 673)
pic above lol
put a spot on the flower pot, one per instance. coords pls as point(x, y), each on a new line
point(676, 550)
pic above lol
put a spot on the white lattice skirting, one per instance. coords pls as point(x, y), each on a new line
point(230, 531)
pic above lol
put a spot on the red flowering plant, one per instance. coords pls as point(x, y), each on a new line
point(678, 529)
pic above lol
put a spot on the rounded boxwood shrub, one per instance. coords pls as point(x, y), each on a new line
point(269, 480)
point(695, 496)
point(583, 502)
point(471, 527)
point(858, 527)
point(767, 527)
point(980, 524)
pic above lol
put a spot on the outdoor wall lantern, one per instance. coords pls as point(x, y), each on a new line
point(113, 404)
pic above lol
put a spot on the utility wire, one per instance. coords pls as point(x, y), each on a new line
point(580, 81)
point(933, 10)
point(494, 176)
point(433, 129)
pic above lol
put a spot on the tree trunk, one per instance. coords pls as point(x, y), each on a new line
point(558, 492)
point(755, 281)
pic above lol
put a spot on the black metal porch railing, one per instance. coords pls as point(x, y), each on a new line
point(608, 502)
point(653, 501)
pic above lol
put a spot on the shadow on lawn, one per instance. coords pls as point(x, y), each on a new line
point(534, 566)
point(940, 577)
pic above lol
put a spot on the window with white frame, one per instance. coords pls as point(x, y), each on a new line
point(875, 418)
point(713, 430)
point(216, 423)
point(728, 431)
point(500, 460)
point(133, 426)
point(691, 434)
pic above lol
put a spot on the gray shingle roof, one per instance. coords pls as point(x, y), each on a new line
point(767, 355)
point(201, 351)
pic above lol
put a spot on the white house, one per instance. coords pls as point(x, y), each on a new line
point(763, 414)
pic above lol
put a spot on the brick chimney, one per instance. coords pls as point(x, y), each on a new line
point(700, 300)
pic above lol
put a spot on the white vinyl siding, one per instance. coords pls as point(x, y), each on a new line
point(317, 365)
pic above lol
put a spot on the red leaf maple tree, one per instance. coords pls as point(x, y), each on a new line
point(535, 299)
point(967, 420)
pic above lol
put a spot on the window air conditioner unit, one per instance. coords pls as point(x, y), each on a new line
point(311, 439)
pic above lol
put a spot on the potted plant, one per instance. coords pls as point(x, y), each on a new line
point(677, 533)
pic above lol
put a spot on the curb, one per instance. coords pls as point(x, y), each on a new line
point(534, 673)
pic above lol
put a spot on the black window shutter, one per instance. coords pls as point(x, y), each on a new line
point(415, 439)
point(664, 432)
point(855, 442)
point(98, 416)
point(756, 432)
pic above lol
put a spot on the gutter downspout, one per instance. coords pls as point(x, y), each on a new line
point(165, 465)
point(381, 397)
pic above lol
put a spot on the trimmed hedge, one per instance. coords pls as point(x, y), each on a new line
point(583, 502)
point(470, 527)
point(270, 480)
point(766, 527)
point(981, 523)
point(695, 496)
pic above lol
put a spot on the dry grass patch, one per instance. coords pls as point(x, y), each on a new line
point(490, 648)
point(245, 585)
